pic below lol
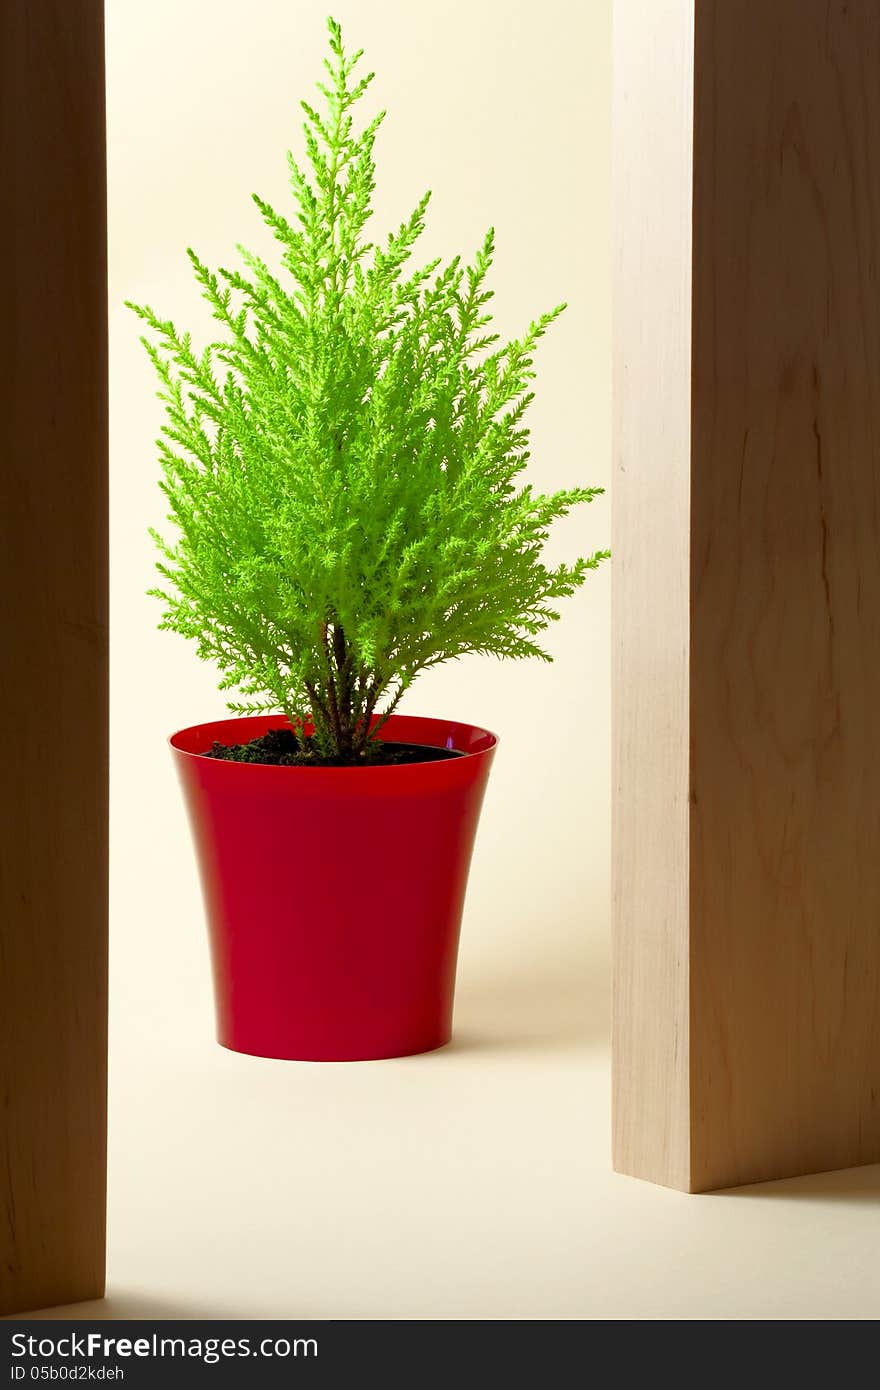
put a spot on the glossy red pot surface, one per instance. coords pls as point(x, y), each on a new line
point(334, 895)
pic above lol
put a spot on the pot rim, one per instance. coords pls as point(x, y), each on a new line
point(487, 740)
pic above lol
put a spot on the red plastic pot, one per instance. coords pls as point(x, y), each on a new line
point(334, 895)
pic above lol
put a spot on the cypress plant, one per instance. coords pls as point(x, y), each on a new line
point(343, 465)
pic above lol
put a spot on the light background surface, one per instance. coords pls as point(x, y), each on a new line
point(474, 1182)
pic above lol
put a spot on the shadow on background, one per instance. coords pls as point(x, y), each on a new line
point(120, 1305)
point(547, 1005)
point(843, 1185)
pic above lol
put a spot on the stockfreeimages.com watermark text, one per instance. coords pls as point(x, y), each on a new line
point(91, 1346)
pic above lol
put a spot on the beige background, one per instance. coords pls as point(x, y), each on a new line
point(473, 1182)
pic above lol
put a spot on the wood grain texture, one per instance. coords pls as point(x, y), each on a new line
point(53, 676)
point(775, 935)
point(653, 64)
point(785, 640)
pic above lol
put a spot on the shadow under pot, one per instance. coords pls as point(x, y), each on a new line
point(334, 895)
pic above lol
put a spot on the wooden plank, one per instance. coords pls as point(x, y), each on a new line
point(785, 640)
point(53, 676)
point(653, 67)
point(761, 909)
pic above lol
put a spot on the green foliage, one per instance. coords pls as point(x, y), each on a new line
point(341, 465)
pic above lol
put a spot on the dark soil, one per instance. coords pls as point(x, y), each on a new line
point(282, 748)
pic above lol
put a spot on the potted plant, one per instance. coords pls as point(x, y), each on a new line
point(342, 470)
